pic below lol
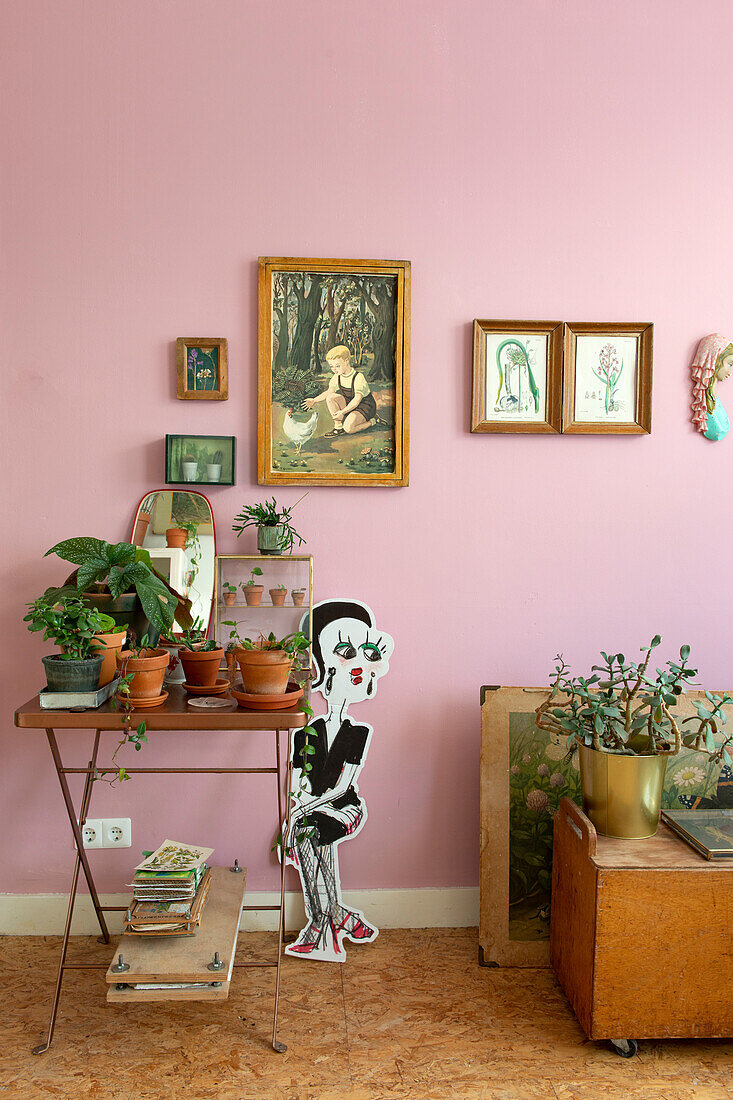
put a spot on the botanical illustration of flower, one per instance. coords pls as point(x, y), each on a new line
point(557, 779)
point(609, 371)
point(689, 776)
point(538, 801)
point(543, 770)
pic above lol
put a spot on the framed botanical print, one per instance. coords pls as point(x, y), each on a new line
point(607, 384)
point(202, 369)
point(334, 364)
point(517, 376)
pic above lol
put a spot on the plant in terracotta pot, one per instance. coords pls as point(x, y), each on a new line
point(200, 656)
point(621, 721)
point(229, 593)
point(275, 532)
point(252, 591)
point(108, 644)
point(278, 595)
point(119, 579)
point(175, 537)
point(143, 668)
point(298, 595)
point(266, 663)
point(70, 624)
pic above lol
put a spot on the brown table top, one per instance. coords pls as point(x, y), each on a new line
point(663, 851)
point(173, 714)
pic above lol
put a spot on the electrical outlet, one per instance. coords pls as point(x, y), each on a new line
point(116, 832)
point(91, 833)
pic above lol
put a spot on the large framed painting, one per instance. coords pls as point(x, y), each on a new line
point(334, 366)
point(524, 774)
point(607, 384)
point(517, 376)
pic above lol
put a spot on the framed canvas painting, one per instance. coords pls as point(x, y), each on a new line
point(517, 376)
point(202, 369)
point(607, 384)
point(524, 774)
point(334, 362)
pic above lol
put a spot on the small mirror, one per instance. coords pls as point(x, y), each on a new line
point(177, 529)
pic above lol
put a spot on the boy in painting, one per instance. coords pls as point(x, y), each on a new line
point(348, 397)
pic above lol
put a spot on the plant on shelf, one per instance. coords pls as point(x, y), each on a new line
point(252, 590)
point(229, 593)
point(298, 595)
point(267, 662)
point(275, 532)
point(278, 594)
point(120, 579)
point(621, 712)
point(213, 466)
point(71, 624)
point(189, 466)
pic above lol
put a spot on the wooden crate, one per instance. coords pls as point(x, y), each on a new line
point(641, 933)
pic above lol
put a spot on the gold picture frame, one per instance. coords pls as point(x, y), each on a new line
point(359, 307)
point(607, 378)
point(517, 376)
point(202, 368)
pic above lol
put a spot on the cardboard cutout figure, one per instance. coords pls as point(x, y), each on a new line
point(350, 655)
point(713, 363)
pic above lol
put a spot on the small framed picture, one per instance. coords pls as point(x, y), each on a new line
point(202, 369)
point(607, 383)
point(200, 460)
point(517, 376)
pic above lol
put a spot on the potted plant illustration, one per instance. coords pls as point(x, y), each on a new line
point(252, 591)
point(229, 593)
point(200, 656)
point(70, 624)
point(278, 595)
point(621, 721)
point(189, 467)
point(143, 667)
point(298, 595)
point(275, 532)
point(120, 580)
point(267, 662)
point(213, 467)
point(107, 644)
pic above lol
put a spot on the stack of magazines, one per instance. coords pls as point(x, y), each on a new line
point(170, 888)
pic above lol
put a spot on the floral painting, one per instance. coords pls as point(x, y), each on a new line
point(332, 374)
point(202, 369)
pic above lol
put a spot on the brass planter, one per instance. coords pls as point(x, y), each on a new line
point(622, 795)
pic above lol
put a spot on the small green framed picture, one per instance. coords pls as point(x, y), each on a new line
point(200, 460)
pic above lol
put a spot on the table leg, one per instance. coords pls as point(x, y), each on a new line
point(285, 831)
point(80, 858)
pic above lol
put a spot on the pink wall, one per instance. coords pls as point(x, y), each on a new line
point(532, 159)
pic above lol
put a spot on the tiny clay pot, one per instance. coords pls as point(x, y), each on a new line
point(278, 596)
point(229, 598)
point(175, 537)
point(298, 598)
point(253, 594)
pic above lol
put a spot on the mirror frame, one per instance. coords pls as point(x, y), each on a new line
point(194, 492)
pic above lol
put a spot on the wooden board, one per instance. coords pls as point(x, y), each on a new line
point(140, 996)
point(186, 958)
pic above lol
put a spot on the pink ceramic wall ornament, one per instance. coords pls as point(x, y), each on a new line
point(713, 363)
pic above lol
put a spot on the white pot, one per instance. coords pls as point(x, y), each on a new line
point(190, 469)
point(213, 471)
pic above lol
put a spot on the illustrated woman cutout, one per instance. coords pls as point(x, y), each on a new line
point(350, 655)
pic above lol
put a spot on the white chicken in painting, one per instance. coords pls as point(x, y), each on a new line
point(299, 432)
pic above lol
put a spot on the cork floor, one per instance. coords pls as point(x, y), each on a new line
point(412, 1015)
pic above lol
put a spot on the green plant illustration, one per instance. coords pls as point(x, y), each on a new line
point(516, 366)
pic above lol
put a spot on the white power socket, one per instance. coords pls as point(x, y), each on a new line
point(112, 832)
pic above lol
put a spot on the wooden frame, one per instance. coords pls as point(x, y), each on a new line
point(485, 420)
point(185, 344)
point(641, 421)
point(372, 470)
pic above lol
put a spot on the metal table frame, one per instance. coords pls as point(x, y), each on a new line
point(172, 715)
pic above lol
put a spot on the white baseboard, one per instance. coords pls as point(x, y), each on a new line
point(45, 914)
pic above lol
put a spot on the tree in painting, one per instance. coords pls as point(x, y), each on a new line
point(326, 417)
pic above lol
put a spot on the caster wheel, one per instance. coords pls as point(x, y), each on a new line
point(626, 1048)
point(279, 1047)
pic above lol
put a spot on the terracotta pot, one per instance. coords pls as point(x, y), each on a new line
point(298, 598)
point(253, 594)
point(229, 598)
point(141, 528)
point(278, 596)
point(264, 671)
point(231, 661)
point(108, 646)
point(175, 537)
point(147, 672)
point(201, 667)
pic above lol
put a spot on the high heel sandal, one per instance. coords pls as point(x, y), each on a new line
point(305, 947)
point(360, 931)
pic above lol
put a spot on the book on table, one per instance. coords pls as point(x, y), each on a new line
point(709, 832)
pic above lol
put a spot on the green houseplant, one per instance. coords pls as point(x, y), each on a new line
point(267, 662)
point(252, 590)
point(275, 532)
point(278, 594)
point(621, 721)
point(120, 580)
point(229, 593)
point(70, 624)
point(200, 656)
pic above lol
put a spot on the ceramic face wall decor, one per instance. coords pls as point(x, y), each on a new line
point(350, 656)
point(713, 363)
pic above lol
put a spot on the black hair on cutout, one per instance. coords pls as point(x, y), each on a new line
point(326, 613)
